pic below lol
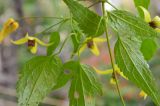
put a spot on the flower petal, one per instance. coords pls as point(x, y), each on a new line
point(20, 41)
point(112, 81)
point(156, 20)
point(42, 43)
point(157, 29)
point(10, 20)
point(30, 37)
point(9, 26)
point(1, 37)
point(14, 27)
point(143, 94)
point(99, 40)
point(120, 72)
point(34, 49)
point(94, 49)
point(110, 71)
point(147, 16)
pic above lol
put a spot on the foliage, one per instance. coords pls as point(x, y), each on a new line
point(55, 37)
point(84, 85)
point(38, 77)
point(135, 46)
point(144, 3)
point(135, 67)
point(89, 22)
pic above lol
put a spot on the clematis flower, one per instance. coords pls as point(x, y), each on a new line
point(112, 80)
point(143, 94)
point(10, 26)
point(91, 43)
point(154, 23)
point(110, 71)
point(31, 41)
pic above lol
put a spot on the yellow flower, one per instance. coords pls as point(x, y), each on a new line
point(91, 43)
point(110, 71)
point(112, 80)
point(10, 26)
point(31, 41)
point(143, 94)
point(154, 23)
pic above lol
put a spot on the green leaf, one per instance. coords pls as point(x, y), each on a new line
point(84, 85)
point(65, 75)
point(126, 24)
point(132, 64)
point(148, 48)
point(143, 3)
point(63, 78)
point(88, 21)
point(55, 39)
point(38, 77)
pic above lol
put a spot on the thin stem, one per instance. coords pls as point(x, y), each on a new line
point(35, 17)
point(60, 26)
point(110, 53)
point(49, 28)
point(64, 42)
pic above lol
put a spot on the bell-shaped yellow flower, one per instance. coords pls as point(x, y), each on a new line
point(91, 43)
point(10, 26)
point(143, 94)
point(112, 80)
point(110, 71)
point(31, 41)
point(154, 23)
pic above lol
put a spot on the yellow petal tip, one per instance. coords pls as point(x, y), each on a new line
point(143, 94)
point(112, 81)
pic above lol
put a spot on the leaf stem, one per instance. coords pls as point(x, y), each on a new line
point(45, 30)
point(39, 17)
point(64, 42)
point(110, 53)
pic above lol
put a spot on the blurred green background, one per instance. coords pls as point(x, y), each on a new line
point(13, 57)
